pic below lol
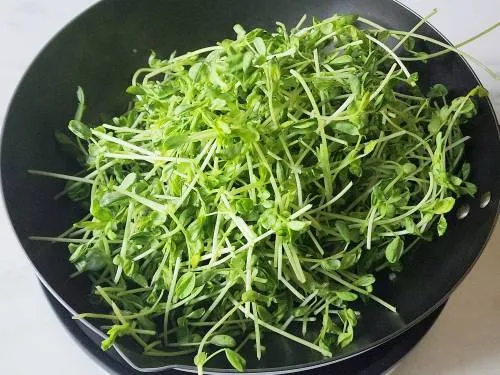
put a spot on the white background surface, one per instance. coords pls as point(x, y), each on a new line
point(466, 338)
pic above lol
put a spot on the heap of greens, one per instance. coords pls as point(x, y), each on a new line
point(259, 183)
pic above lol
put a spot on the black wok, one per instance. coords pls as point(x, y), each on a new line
point(104, 46)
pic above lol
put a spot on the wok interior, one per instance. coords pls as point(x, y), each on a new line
point(102, 48)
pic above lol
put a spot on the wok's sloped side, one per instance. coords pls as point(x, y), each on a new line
point(103, 47)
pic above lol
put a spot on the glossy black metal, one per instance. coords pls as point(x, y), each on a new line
point(103, 47)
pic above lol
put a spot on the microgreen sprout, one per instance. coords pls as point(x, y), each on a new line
point(256, 186)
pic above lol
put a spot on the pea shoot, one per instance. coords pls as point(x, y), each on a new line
point(259, 184)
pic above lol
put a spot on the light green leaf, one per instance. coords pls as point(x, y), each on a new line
point(79, 129)
point(369, 147)
point(136, 90)
point(200, 359)
point(128, 181)
point(443, 206)
point(394, 250)
point(185, 285)
point(260, 46)
point(347, 296)
point(236, 360)
point(342, 60)
point(224, 341)
point(297, 225)
point(239, 30)
point(346, 127)
point(442, 225)
point(331, 264)
point(343, 230)
point(437, 91)
point(80, 95)
point(365, 280)
point(345, 338)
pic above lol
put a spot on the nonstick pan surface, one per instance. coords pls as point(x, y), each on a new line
point(105, 45)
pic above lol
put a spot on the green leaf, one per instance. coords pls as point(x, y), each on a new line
point(383, 35)
point(347, 296)
point(78, 252)
point(435, 124)
point(442, 225)
point(136, 90)
point(110, 198)
point(79, 129)
point(331, 264)
point(175, 141)
point(113, 333)
point(479, 91)
point(365, 280)
point(468, 188)
point(394, 250)
point(345, 338)
point(355, 85)
point(349, 260)
point(300, 311)
point(80, 95)
point(158, 218)
point(253, 296)
point(465, 170)
point(413, 79)
point(70, 147)
point(239, 30)
point(409, 44)
point(128, 267)
point(140, 280)
point(410, 225)
point(326, 28)
point(195, 70)
point(260, 46)
point(438, 90)
point(196, 314)
point(99, 212)
point(442, 206)
point(128, 181)
point(344, 231)
point(297, 225)
point(185, 285)
point(457, 181)
point(244, 206)
point(236, 360)
point(77, 192)
point(409, 168)
point(348, 316)
point(249, 296)
point(247, 60)
point(342, 60)
point(224, 341)
point(369, 147)
point(200, 359)
point(346, 127)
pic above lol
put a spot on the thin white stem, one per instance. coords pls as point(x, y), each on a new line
point(60, 176)
point(391, 53)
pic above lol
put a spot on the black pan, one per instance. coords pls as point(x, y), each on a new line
point(104, 46)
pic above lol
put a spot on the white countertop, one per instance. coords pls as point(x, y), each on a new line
point(466, 337)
